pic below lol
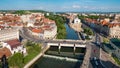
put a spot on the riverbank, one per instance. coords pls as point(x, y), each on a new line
point(37, 57)
point(76, 27)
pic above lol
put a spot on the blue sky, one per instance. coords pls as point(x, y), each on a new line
point(62, 5)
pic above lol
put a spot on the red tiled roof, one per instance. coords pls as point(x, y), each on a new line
point(1, 27)
point(46, 20)
point(47, 26)
point(37, 30)
point(14, 43)
point(104, 22)
point(113, 25)
point(5, 51)
point(15, 24)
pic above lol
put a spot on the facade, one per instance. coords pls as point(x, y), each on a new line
point(8, 34)
point(50, 34)
point(115, 31)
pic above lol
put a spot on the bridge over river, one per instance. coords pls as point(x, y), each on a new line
point(67, 43)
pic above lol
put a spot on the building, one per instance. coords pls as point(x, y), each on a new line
point(14, 46)
point(39, 33)
point(111, 29)
point(77, 21)
point(9, 34)
point(51, 33)
point(45, 32)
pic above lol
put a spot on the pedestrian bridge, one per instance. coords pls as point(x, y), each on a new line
point(67, 43)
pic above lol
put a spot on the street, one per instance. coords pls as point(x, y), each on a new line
point(95, 52)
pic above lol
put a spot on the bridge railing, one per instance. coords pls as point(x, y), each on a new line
point(83, 41)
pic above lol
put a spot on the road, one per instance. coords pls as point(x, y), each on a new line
point(96, 52)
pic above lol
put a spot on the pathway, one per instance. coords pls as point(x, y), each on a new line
point(86, 60)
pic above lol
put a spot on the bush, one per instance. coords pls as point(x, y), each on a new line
point(105, 40)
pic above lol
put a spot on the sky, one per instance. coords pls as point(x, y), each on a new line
point(62, 5)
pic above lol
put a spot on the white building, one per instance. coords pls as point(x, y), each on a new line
point(30, 23)
point(77, 21)
point(8, 34)
point(25, 18)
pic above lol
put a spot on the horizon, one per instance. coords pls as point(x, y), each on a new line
point(65, 11)
point(62, 5)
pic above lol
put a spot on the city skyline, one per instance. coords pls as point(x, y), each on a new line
point(62, 5)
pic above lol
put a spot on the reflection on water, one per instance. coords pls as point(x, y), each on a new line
point(65, 59)
point(52, 62)
point(71, 34)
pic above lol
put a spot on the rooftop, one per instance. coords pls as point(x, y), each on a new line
point(37, 30)
point(14, 43)
point(5, 51)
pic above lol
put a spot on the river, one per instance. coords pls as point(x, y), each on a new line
point(65, 59)
point(71, 34)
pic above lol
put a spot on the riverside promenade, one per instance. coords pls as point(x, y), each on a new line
point(37, 57)
point(86, 60)
point(76, 27)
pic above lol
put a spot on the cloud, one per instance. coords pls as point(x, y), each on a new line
point(76, 6)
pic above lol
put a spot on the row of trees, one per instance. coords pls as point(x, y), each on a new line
point(88, 31)
point(21, 12)
point(90, 16)
point(60, 20)
point(94, 17)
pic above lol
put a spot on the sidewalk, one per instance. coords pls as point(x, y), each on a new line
point(86, 60)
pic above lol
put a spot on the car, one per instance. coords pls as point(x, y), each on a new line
point(98, 43)
point(95, 60)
